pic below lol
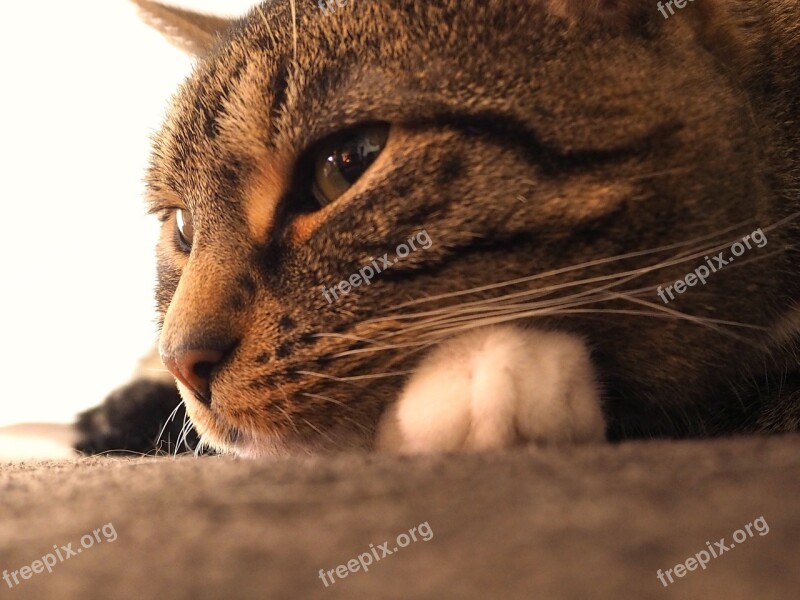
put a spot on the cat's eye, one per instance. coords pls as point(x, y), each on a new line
point(339, 163)
point(184, 226)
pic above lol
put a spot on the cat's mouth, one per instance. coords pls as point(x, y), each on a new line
point(251, 441)
point(256, 445)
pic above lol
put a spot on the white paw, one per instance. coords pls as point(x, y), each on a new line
point(497, 387)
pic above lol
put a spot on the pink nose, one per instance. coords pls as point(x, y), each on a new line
point(193, 369)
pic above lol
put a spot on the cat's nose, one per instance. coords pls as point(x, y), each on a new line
point(193, 367)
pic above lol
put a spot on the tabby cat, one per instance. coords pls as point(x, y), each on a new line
point(569, 161)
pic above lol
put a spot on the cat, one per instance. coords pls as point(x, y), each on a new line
point(566, 158)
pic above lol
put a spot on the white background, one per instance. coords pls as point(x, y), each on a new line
point(83, 85)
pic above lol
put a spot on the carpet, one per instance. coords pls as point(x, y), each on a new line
point(581, 522)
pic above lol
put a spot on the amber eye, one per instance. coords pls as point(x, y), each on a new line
point(184, 227)
point(342, 161)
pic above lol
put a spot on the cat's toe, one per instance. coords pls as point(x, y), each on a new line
point(494, 388)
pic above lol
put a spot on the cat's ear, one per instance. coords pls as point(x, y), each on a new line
point(192, 32)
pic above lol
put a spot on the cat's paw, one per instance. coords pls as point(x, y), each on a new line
point(144, 416)
point(494, 388)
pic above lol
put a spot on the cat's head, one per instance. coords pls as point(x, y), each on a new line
point(516, 145)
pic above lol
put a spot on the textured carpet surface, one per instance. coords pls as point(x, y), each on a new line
point(578, 523)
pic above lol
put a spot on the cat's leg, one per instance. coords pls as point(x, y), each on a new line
point(496, 387)
point(143, 416)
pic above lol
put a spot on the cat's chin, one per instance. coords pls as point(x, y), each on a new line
point(225, 437)
point(250, 444)
point(253, 446)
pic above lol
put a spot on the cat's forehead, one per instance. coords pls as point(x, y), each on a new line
point(274, 49)
point(283, 78)
point(280, 68)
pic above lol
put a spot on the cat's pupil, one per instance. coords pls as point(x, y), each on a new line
point(341, 164)
point(355, 157)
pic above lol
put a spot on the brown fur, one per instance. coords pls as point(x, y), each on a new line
point(525, 137)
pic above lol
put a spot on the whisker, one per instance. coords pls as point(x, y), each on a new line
point(183, 434)
point(549, 289)
point(288, 416)
point(784, 221)
point(266, 23)
point(320, 432)
point(623, 277)
point(294, 30)
point(320, 375)
point(167, 422)
point(343, 405)
point(654, 174)
point(189, 428)
point(201, 445)
point(564, 300)
point(711, 323)
point(339, 402)
point(343, 336)
point(356, 377)
point(557, 312)
point(378, 348)
point(559, 271)
point(430, 326)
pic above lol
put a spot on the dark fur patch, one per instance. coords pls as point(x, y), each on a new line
point(286, 323)
point(452, 168)
point(130, 419)
point(285, 349)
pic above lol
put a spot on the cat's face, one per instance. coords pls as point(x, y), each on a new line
point(508, 140)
